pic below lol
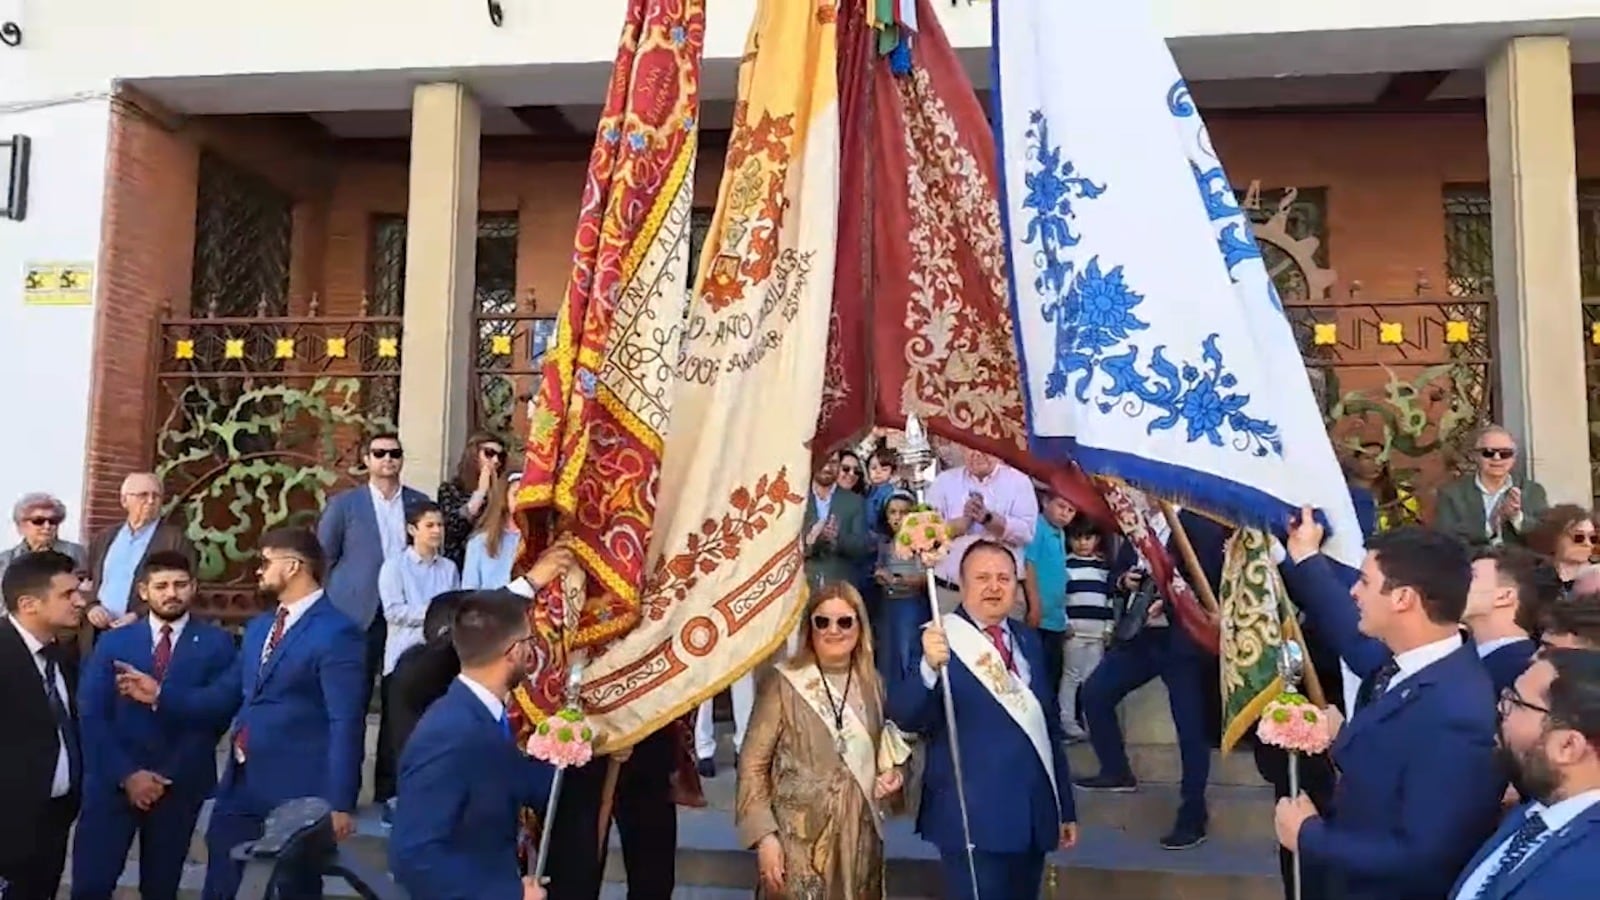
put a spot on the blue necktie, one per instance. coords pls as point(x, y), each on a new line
point(505, 725)
point(1522, 843)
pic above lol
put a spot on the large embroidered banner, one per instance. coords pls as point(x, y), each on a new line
point(1153, 345)
point(723, 587)
point(598, 425)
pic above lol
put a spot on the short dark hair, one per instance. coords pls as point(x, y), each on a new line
point(883, 511)
point(165, 561)
point(302, 542)
point(1574, 614)
point(1536, 582)
point(1432, 563)
point(1083, 526)
point(31, 573)
point(980, 546)
point(1575, 693)
point(415, 513)
point(486, 623)
point(380, 436)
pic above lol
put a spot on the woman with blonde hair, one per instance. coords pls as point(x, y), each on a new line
point(493, 547)
point(819, 761)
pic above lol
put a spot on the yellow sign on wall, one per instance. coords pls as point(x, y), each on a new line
point(58, 284)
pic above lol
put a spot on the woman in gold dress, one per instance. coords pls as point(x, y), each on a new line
point(818, 762)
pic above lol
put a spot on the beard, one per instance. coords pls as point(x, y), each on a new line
point(168, 616)
point(1531, 771)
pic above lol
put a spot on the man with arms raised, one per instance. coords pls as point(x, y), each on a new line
point(1550, 738)
point(295, 699)
point(1018, 788)
point(142, 774)
point(1419, 783)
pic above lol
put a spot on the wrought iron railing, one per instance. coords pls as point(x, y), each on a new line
point(509, 354)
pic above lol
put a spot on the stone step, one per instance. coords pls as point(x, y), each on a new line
point(1161, 763)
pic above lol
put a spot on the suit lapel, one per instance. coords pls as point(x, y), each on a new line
point(1508, 826)
point(290, 638)
point(367, 510)
point(1577, 828)
point(1402, 695)
point(140, 650)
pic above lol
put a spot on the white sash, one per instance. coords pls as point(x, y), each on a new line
point(979, 655)
point(860, 752)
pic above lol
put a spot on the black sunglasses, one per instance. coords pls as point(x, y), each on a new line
point(491, 452)
point(1496, 452)
point(1577, 537)
point(395, 453)
point(42, 521)
point(823, 623)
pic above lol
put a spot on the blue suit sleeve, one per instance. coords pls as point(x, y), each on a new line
point(222, 660)
point(1314, 588)
point(535, 783)
point(212, 704)
point(97, 700)
point(422, 847)
point(1448, 801)
point(330, 532)
point(340, 674)
point(910, 703)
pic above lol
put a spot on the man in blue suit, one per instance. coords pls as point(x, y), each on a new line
point(462, 778)
point(1550, 736)
point(1420, 781)
point(1510, 584)
point(359, 529)
point(144, 774)
point(1018, 787)
point(295, 700)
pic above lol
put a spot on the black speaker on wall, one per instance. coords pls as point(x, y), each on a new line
point(21, 148)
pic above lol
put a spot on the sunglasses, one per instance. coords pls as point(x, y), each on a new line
point(1577, 537)
point(395, 453)
point(492, 453)
point(1496, 452)
point(823, 623)
point(42, 521)
point(853, 470)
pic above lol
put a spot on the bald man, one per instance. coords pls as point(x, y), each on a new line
point(116, 554)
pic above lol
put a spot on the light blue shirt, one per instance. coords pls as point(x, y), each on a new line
point(1555, 818)
point(1024, 672)
point(480, 571)
point(824, 504)
point(407, 584)
point(1046, 556)
point(122, 567)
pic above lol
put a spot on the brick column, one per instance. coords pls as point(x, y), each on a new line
point(1532, 185)
point(441, 250)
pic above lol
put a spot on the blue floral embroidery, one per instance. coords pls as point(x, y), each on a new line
point(1236, 240)
point(1095, 312)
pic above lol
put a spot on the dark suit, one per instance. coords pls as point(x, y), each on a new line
point(1507, 662)
point(1405, 816)
point(34, 826)
point(121, 737)
point(1459, 511)
point(306, 727)
point(839, 559)
point(462, 784)
point(168, 538)
point(1015, 814)
point(1566, 865)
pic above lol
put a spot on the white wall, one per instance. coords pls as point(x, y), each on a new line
point(45, 352)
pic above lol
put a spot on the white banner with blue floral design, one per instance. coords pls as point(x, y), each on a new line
point(1154, 347)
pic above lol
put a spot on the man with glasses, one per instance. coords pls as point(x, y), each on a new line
point(117, 555)
point(38, 519)
point(1420, 782)
point(295, 700)
point(1491, 506)
point(1550, 740)
point(360, 529)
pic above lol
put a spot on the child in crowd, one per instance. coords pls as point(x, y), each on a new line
point(1090, 616)
point(903, 587)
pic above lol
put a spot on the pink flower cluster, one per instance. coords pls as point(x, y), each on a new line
point(564, 740)
point(924, 534)
point(1291, 722)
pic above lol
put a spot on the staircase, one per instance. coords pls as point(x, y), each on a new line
point(1118, 856)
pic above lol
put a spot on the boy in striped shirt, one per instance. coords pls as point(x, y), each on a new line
point(1089, 616)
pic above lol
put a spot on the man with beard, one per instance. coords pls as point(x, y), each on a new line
point(143, 774)
point(1419, 784)
point(462, 779)
point(295, 700)
point(1550, 739)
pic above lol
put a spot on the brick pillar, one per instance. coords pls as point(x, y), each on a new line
point(1532, 188)
point(146, 255)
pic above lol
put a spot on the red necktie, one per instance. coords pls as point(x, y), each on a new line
point(163, 657)
point(241, 738)
point(998, 636)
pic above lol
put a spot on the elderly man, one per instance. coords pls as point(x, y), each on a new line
point(983, 500)
point(38, 519)
point(117, 554)
point(1491, 506)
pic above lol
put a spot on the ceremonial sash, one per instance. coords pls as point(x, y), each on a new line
point(978, 654)
point(853, 741)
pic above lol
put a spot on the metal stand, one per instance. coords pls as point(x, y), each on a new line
point(547, 825)
point(1291, 668)
point(918, 454)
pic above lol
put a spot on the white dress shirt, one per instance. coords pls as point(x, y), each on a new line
point(1555, 818)
point(297, 611)
point(496, 706)
point(177, 629)
point(1418, 658)
point(1488, 647)
point(61, 783)
point(1020, 662)
point(391, 515)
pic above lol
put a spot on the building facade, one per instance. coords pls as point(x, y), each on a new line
point(254, 231)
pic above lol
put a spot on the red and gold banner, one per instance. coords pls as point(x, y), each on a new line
point(597, 431)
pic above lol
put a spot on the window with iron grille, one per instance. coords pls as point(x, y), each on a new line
point(241, 243)
point(1468, 240)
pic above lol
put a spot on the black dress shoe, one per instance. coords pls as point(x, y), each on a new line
point(1185, 835)
point(707, 768)
point(1116, 784)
